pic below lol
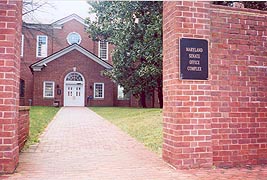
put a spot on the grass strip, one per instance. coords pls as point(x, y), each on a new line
point(145, 125)
point(40, 117)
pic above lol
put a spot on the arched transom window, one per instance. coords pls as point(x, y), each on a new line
point(74, 77)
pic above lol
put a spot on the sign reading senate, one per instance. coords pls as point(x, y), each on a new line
point(194, 59)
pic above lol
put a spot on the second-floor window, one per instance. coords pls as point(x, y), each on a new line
point(103, 50)
point(21, 45)
point(41, 50)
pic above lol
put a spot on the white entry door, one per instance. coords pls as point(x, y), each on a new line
point(74, 95)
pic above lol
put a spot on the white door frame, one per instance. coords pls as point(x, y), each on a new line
point(75, 82)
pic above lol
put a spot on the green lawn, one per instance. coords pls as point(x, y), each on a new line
point(143, 124)
point(39, 118)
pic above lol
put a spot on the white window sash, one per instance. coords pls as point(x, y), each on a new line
point(22, 45)
point(120, 94)
point(42, 47)
point(100, 50)
point(44, 89)
point(103, 90)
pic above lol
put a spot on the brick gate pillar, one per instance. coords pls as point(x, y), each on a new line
point(186, 113)
point(10, 37)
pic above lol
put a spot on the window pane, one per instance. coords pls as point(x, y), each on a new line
point(42, 46)
point(22, 45)
point(42, 39)
point(103, 50)
point(120, 92)
point(121, 95)
point(74, 77)
point(99, 93)
point(74, 38)
point(49, 89)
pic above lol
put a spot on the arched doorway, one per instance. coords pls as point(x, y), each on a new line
point(74, 89)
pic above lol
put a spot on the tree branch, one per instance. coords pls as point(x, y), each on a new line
point(34, 9)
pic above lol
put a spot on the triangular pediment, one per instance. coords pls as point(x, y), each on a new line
point(38, 66)
point(62, 21)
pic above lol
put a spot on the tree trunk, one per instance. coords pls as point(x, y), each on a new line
point(143, 99)
point(153, 98)
point(160, 96)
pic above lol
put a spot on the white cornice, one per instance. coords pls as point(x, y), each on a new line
point(60, 22)
point(38, 68)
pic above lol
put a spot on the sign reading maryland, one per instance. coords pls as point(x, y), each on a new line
point(194, 59)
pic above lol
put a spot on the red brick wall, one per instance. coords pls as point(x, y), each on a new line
point(60, 37)
point(187, 120)
point(30, 40)
point(23, 125)
point(26, 75)
point(59, 68)
point(29, 57)
point(239, 86)
point(223, 120)
point(10, 35)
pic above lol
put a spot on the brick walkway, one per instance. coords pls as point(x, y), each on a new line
point(79, 144)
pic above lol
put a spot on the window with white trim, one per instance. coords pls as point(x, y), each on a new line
point(48, 89)
point(121, 94)
point(103, 49)
point(22, 45)
point(41, 48)
point(74, 38)
point(98, 90)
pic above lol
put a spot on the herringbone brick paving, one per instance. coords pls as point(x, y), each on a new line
point(78, 144)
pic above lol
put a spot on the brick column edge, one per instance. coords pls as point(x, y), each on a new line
point(187, 103)
point(10, 38)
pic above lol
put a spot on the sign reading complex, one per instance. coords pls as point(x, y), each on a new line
point(194, 59)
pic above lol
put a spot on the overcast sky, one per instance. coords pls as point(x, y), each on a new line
point(57, 9)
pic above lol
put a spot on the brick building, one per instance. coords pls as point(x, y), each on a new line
point(220, 119)
point(61, 64)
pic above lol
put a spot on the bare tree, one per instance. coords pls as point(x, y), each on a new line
point(31, 6)
point(28, 10)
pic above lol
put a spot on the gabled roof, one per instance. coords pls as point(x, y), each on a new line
point(60, 22)
point(43, 62)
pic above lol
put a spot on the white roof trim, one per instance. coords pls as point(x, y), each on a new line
point(37, 68)
point(69, 18)
point(40, 64)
